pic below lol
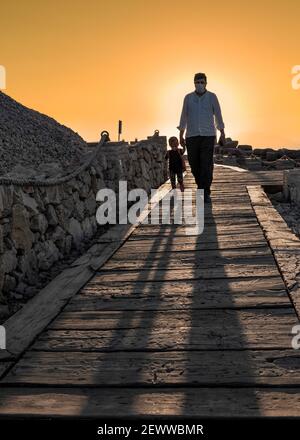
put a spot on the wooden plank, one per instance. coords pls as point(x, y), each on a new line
point(202, 263)
point(253, 286)
point(131, 256)
point(199, 368)
point(188, 244)
point(211, 229)
point(225, 271)
point(193, 231)
point(152, 301)
point(223, 215)
point(198, 238)
point(234, 220)
point(256, 292)
point(168, 260)
point(202, 330)
point(127, 402)
point(137, 319)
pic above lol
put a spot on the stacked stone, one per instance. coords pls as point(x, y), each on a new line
point(34, 144)
point(39, 225)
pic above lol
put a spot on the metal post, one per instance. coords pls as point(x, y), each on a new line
point(119, 130)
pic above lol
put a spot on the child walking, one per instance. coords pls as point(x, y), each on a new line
point(176, 163)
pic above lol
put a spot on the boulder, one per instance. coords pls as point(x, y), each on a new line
point(21, 235)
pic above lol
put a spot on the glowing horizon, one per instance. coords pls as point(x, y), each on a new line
point(89, 64)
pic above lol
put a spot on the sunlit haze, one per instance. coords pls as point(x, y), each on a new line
point(90, 63)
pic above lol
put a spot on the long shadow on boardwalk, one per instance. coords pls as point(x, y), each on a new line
point(193, 361)
point(164, 356)
point(170, 340)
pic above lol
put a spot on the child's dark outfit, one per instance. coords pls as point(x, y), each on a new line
point(175, 167)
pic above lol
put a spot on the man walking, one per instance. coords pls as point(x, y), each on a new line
point(200, 111)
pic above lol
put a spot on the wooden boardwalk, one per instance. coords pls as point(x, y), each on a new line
point(172, 324)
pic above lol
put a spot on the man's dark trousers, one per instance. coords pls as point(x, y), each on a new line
point(200, 150)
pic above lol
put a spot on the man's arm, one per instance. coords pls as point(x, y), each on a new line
point(218, 116)
point(183, 122)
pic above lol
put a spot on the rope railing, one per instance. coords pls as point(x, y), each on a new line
point(58, 180)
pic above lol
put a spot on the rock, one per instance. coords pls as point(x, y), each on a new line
point(6, 199)
point(21, 233)
point(68, 205)
point(47, 254)
point(21, 287)
point(78, 208)
point(245, 147)
point(9, 283)
point(39, 223)
point(30, 292)
point(51, 216)
point(9, 261)
point(271, 155)
point(1, 239)
point(30, 204)
point(87, 228)
point(278, 197)
point(62, 216)
point(4, 312)
point(18, 296)
point(59, 238)
point(68, 244)
point(53, 195)
point(91, 204)
point(75, 231)
point(28, 265)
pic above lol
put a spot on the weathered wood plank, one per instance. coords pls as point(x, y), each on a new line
point(134, 254)
point(225, 271)
point(255, 286)
point(137, 319)
point(179, 302)
point(214, 222)
point(202, 259)
point(201, 368)
point(200, 231)
point(209, 330)
point(127, 402)
point(149, 245)
point(198, 238)
point(130, 254)
point(256, 292)
point(225, 228)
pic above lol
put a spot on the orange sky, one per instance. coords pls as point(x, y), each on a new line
point(89, 63)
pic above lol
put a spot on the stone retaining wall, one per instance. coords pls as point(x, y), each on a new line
point(39, 225)
point(291, 185)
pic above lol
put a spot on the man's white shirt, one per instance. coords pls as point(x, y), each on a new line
point(201, 115)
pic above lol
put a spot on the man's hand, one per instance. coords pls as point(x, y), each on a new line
point(181, 139)
point(222, 137)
